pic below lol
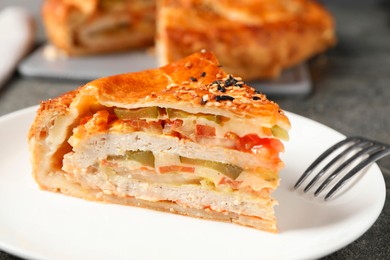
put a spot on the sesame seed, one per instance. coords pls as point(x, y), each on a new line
point(188, 65)
point(193, 79)
point(222, 89)
point(185, 83)
point(239, 84)
point(224, 97)
point(202, 51)
point(230, 81)
point(256, 98)
point(203, 74)
point(204, 99)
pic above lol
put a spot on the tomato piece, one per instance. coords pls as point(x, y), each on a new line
point(143, 125)
point(176, 168)
point(176, 124)
point(205, 130)
point(232, 183)
point(172, 127)
point(251, 142)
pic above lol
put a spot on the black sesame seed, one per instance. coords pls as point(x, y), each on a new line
point(224, 97)
point(257, 92)
point(230, 81)
point(203, 101)
point(193, 79)
point(217, 82)
point(221, 88)
point(256, 98)
point(203, 74)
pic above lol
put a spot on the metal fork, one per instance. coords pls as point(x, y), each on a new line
point(358, 148)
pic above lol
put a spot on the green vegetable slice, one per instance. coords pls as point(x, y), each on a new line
point(146, 158)
point(231, 171)
point(137, 113)
point(175, 113)
point(279, 132)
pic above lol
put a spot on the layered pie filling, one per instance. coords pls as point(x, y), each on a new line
point(126, 172)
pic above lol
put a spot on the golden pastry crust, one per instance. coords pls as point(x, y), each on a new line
point(99, 26)
point(254, 39)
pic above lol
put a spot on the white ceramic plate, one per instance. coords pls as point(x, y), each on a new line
point(44, 225)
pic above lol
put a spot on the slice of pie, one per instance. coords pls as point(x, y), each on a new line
point(251, 38)
point(98, 26)
point(186, 138)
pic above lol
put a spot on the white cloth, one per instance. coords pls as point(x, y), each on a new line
point(16, 39)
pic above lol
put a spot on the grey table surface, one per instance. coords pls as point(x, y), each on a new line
point(351, 94)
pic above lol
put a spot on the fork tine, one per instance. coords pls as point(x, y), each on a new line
point(372, 158)
point(367, 150)
point(359, 143)
point(321, 158)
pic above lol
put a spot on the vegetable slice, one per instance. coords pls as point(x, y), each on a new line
point(229, 170)
point(175, 113)
point(279, 132)
point(138, 113)
point(146, 158)
point(176, 168)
